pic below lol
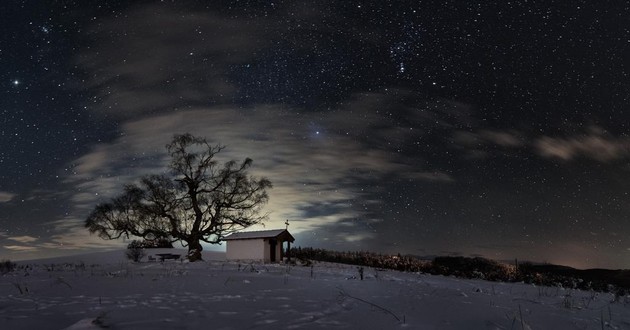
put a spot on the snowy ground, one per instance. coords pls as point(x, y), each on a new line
point(79, 293)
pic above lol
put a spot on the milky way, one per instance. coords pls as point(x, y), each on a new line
point(497, 129)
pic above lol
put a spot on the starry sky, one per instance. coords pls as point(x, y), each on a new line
point(475, 128)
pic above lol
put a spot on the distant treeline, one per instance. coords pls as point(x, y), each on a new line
point(360, 258)
point(604, 280)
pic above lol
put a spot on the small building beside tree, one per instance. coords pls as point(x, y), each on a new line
point(264, 245)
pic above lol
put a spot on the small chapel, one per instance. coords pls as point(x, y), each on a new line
point(264, 245)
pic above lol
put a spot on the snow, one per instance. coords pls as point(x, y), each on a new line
point(79, 293)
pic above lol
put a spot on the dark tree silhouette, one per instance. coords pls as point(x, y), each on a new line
point(135, 251)
point(199, 201)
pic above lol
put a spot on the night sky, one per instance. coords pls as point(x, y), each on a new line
point(491, 128)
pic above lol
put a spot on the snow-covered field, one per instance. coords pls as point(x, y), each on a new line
point(106, 291)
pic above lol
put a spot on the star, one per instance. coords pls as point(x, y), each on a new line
point(401, 68)
point(394, 124)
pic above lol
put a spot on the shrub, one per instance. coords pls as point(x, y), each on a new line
point(7, 266)
point(135, 251)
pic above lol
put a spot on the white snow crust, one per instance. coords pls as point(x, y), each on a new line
point(105, 291)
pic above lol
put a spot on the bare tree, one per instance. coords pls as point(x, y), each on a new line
point(200, 201)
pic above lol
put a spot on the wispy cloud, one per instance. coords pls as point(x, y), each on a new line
point(307, 171)
point(156, 69)
point(595, 145)
point(431, 176)
point(6, 196)
point(320, 164)
point(510, 138)
point(71, 235)
point(23, 239)
point(20, 248)
point(479, 142)
point(317, 162)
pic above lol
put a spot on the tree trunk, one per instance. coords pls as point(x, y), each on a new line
point(194, 250)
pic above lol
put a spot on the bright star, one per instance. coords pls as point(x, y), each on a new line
point(16, 82)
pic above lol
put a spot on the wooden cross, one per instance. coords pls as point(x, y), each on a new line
point(287, 223)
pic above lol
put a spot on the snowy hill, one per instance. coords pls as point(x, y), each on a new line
point(115, 256)
point(80, 293)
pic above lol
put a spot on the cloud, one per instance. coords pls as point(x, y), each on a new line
point(357, 237)
point(156, 84)
point(23, 239)
point(20, 248)
point(479, 138)
point(6, 196)
point(307, 172)
point(67, 234)
point(311, 172)
point(153, 68)
point(593, 145)
point(503, 138)
point(92, 161)
point(70, 234)
point(431, 176)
